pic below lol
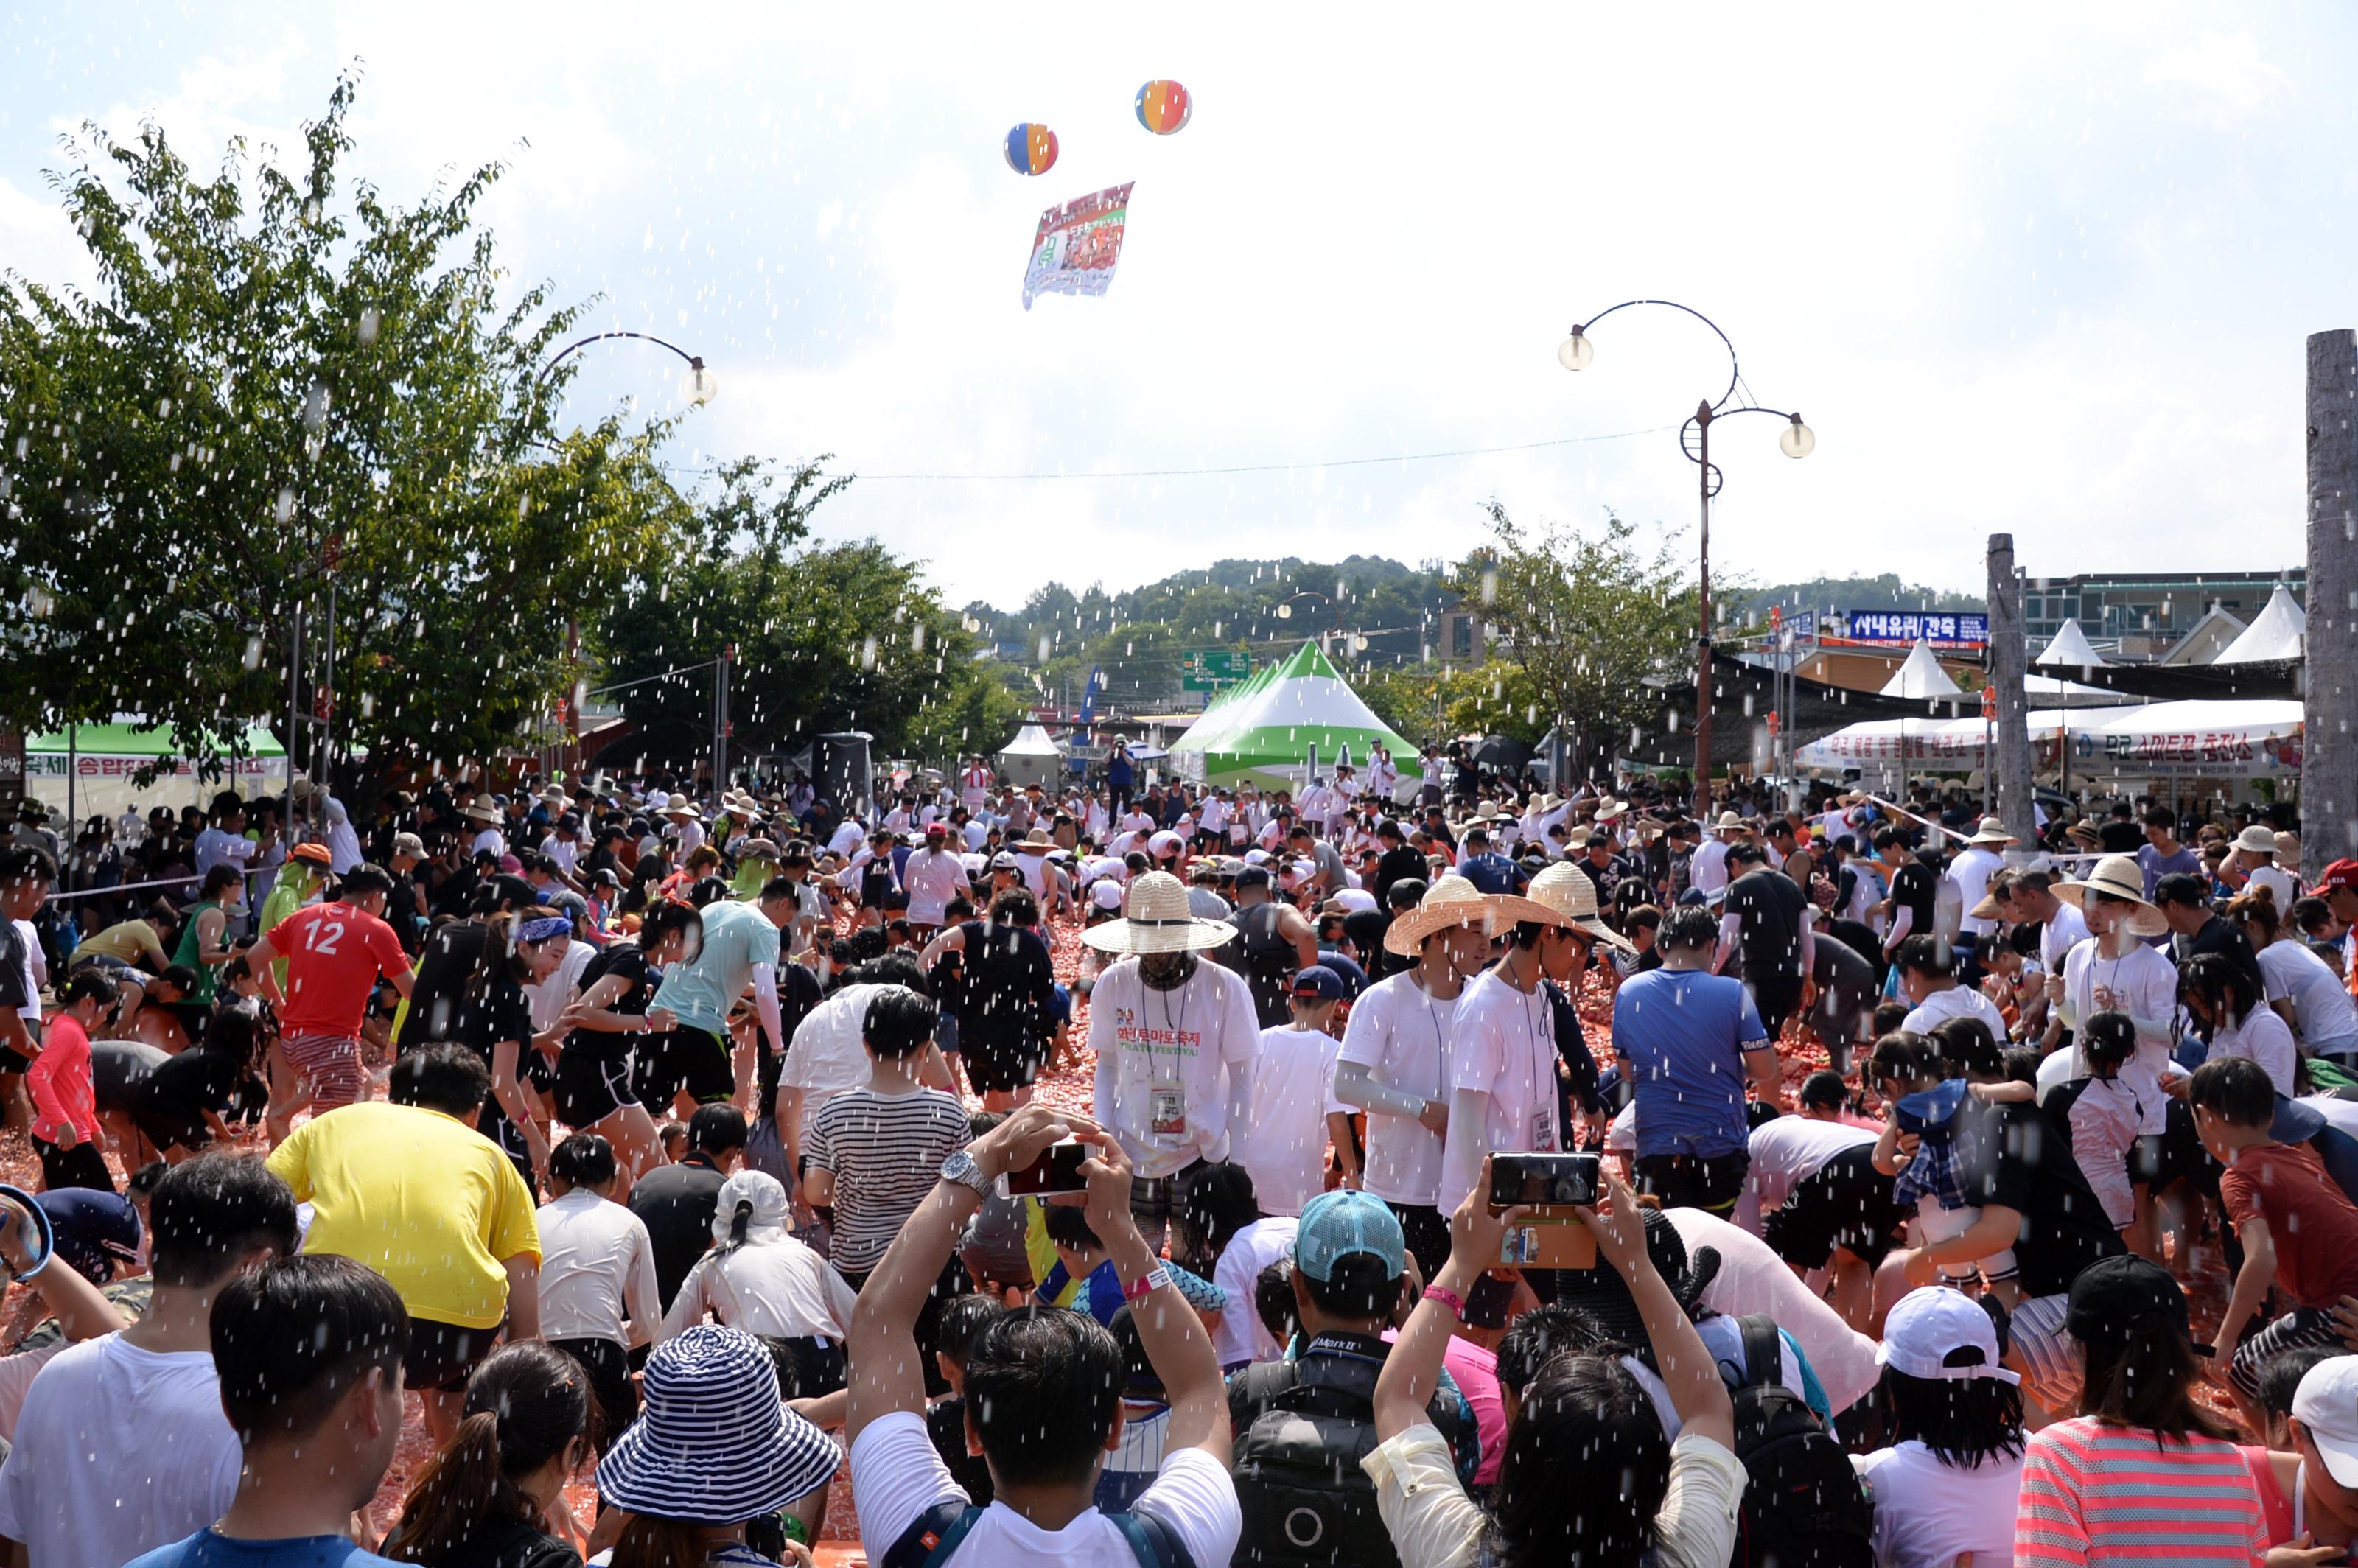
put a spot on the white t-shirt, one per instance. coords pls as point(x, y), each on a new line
point(1957, 1001)
point(2143, 984)
point(119, 1451)
point(2059, 936)
point(1401, 1036)
point(896, 1477)
point(1242, 1336)
point(849, 838)
point(1505, 1047)
point(552, 996)
point(1708, 869)
point(2265, 1039)
point(1172, 1066)
point(2278, 880)
point(2324, 1018)
point(597, 1266)
point(1930, 1515)
point(933, 877)
point(1971, 871)
point(829, 1054)
point(1754, 1279)
point(1284, 1143)
point(491, 839)
point(777, 1289)
point(1786, 1152)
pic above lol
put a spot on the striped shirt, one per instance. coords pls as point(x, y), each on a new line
point(886, 1152)
point(2093, 1493)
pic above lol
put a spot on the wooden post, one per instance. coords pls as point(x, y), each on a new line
point(2328, 766)
point(2009, 663)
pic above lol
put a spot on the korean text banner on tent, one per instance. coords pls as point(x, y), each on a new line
point(1076, 245)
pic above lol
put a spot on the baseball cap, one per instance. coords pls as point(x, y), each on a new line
point(2113, 1293)
point(937, 829)
point(1318, 983)
point(2341, 874)
point(1335, 1225)
point(409, 843)
point(1252, 877)
point(2327, 1404)
point(1004, 861)
point(1928, 1325)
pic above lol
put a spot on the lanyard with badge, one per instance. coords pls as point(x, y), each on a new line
point(1538, 1045)
point(1166, 1112)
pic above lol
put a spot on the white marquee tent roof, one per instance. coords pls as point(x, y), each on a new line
point(2070, 646)
point(1921, 676)
point(1031, 740)
point(2280, 630)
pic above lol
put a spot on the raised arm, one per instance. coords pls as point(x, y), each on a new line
point(1412, 1371)
point(1687, 1369)
point(1176, 1344)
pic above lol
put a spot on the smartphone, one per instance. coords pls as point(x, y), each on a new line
point(1544, 1181)
point(1057, 1170)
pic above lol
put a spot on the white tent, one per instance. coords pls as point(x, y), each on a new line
point(2280, 630)
point(2256, 738)
point(1921, 676)
point(1031, 758)
point(2070, 646)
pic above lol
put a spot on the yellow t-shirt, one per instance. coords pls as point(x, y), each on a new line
point(419, 1197)
point(132, 941)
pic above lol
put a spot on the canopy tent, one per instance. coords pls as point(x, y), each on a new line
point(103, 761)
point(2280, 630)
point(2070, 646)
point(1921, 676)
point(1031, 758)
point(2257, 739)
point(1265, 733)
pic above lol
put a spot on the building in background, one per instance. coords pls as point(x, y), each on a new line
point(2145, 615)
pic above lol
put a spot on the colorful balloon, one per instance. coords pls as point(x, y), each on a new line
point(1031, 150)
point(1164, 107)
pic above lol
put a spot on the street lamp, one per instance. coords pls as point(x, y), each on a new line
point(697, 386)
point(1796, 440)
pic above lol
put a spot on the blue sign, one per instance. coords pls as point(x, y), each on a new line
point(1943, 630)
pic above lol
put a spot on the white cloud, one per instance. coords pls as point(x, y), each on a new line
point(2219, 79)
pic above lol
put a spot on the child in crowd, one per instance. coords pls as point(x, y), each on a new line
point(2299, 1229)
point(1285, 1143)
point(2101, 1114)
point(1080, 1256)
point(65, 1101)
point(1145, 1422)
point(963, 1320)
point(1944, 1487)
point(1919, 1146)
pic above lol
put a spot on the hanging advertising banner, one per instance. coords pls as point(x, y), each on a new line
point(2242, 739)
point(1076, 247)
point(1899, 627)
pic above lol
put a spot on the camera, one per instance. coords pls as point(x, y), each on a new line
point(1057, 1170)
point(1544, 1181)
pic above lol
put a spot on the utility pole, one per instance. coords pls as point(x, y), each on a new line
point(2329, 765)
point(720, 720)
point(2008, 759)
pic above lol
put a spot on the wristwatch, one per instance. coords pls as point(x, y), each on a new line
point(960, 1167)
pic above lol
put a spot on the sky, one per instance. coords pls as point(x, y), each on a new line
point(2023, 268)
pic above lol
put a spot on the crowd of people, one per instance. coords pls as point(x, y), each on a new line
point(1128, 1172)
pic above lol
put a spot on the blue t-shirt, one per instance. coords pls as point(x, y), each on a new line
point(1682, 1035)
point(736, 937)
point(2157, 865)
point(208, 1549)
point(1491, 873)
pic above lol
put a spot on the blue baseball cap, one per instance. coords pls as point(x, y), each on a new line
point(1335, 1225)
point(1318, 983)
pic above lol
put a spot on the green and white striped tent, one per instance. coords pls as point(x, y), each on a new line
point(1263, 731)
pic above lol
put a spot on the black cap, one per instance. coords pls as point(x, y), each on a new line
point(2111, 1294)
point(1604, 1294)
point(1252, 877)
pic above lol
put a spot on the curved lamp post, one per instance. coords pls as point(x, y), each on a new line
point(699, 385)
point(1796, 440)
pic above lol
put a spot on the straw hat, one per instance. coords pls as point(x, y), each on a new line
point(2116, 876)
point(1036, 842)
point(479, 810)
point(1609, 809)
point(1159, 921)
point(1728, 823)
point(681, 805)
point(1572, 893)
point(2288, 850)
point(1452, 901)
point(1991, 831)
point(2257, 839)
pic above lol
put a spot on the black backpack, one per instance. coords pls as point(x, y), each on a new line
point(1803, 1505)
point(1305, 1498)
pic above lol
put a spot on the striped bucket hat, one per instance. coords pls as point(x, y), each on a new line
point(714, 1444)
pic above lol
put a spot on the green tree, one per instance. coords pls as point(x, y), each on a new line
point(258, 391)
point(1587, 618)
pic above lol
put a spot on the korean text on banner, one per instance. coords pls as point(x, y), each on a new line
point(1076, 245)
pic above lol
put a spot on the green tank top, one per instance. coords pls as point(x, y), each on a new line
point(191, 945)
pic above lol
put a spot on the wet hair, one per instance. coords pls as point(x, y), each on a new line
point(290, 1339)
point(525, 1406)
point(1905, 1057)
point(1042, 1389)
point(1889, 1017)
point(2235, 1089)
point(1823, 1090)
point(443, 1076)
point(1687, 926)
point(1586, 1466)
point(1962, 1421)
point(2280, 1374)
point(2311, 914)
point(1220, 1202)
point(1015, 907)
point(663, 919)
point(2223, 987)
point(2256, 906)
point(899, 1023)
point(2108, 1040)
point(210, 1212)
point(2143, 1376)
point(889, 969)
point(1068, 1226)
point(1540, 1335)
point(963, 1318)
point(362, 881)
point(715, 1129)
point(88, 985)
point(584, 1160)
point(1273, 1301)
point(219, 877)
point(1924, 954)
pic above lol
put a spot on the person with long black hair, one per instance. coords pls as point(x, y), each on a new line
point(492, 1017)
point(1946, 1481)
point(484, 1499)
point(595, 1070)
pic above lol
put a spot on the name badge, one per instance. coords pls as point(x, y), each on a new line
point(1167, 1113)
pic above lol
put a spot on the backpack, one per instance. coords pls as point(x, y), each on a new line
point(1305, 1498)
point(933, 1536)
point(1803, 1505)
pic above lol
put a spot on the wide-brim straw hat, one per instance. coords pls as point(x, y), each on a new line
point(1571, 892)
point(1452, 901)
point(681, 805)
point(2116, 876)
point(1728, 823)
point(2257, 839)
point(478, 811)
point(1609, 809)
point(1159, 921)
point(1991, 831)
point(1036, 842)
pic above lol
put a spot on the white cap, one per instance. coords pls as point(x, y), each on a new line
point(1928, 1325)
point(2327, 1404)
point(1256, 857)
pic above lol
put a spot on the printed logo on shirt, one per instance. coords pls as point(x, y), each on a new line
point(1128, 1034)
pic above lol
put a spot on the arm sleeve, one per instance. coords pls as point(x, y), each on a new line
point(289, 1165)
point(641, 1295)
point(687, 1307)
point(1355, 1085)
point(1902, 920)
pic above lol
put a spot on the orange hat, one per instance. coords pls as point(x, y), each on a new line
point(312, 854)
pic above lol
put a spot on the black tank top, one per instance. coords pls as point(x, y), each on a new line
point(1267, 959)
